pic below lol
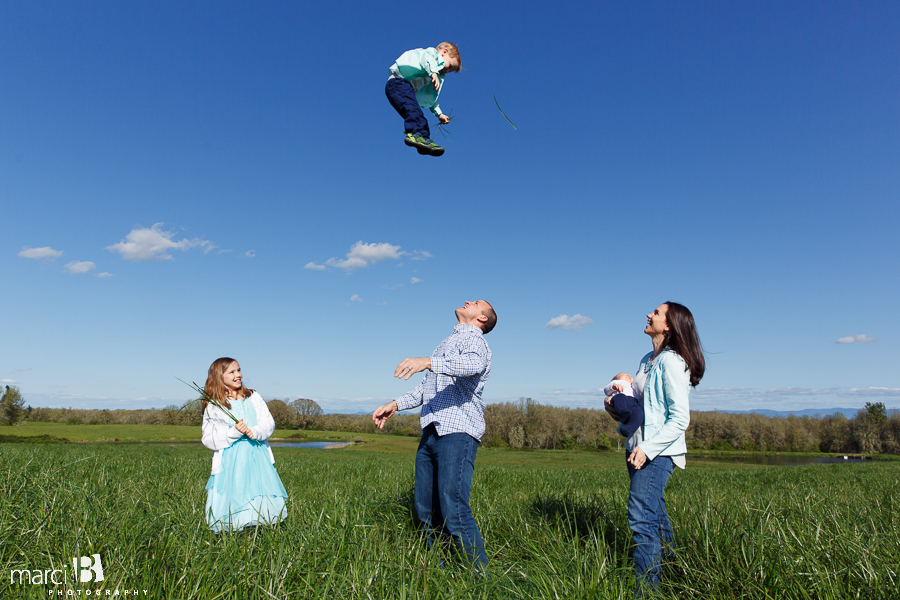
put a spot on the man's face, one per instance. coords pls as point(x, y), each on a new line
point(471, 311)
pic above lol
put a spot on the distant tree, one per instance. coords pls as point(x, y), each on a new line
point(308, 411)
point(11, 406)
point(189, 413)
point(836, 436)
point(169, 415)
point(281, 413)
point(867, 427)
point(877, 413)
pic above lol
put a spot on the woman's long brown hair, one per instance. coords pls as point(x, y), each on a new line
point(215, 388)
point(682, 338)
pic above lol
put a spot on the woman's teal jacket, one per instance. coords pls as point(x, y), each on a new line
point(666, 408)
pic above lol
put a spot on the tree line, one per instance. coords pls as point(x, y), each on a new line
point(527, 424)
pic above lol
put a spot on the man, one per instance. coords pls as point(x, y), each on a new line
point(452, 425)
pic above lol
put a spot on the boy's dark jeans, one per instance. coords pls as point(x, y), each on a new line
point(402, 97)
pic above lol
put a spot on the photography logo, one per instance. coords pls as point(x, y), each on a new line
point(91, 570)
point(85, 569)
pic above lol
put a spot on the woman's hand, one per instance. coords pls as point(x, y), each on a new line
point(607, 404)
point(637, 459)
point(242, 427)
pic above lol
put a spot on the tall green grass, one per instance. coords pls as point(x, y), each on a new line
point(554, 524)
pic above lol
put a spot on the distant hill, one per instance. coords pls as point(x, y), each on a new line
point(809, 412)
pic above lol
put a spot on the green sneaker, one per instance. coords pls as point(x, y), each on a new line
point(423, 144)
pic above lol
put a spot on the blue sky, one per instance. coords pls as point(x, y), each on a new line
point(174, 176)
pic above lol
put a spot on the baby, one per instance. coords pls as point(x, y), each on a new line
point(629, 409)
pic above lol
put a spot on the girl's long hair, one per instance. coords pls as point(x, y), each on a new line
point(682, 338)
point(214, 386)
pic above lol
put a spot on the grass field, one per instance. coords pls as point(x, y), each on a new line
point(554, 524)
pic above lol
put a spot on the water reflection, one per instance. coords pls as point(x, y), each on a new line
point(778, 460)
point(319, 445)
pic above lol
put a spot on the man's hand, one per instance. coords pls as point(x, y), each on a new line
point(435, 82)
point(383, 413)
point(444, 119)
point(607, 404)
point(411, 366)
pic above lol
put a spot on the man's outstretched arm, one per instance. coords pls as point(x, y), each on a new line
point(411, 399)
point(411, 366)
point(469, 358)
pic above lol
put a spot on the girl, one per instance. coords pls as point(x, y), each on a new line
point(244, 489)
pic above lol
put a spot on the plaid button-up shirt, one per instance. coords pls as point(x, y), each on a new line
point(450, 394)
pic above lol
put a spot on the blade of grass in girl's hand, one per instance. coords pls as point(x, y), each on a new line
point(207, 398)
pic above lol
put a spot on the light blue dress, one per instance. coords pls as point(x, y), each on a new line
point(247, 491)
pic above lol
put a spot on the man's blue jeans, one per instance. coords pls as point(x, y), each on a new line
point(444, 468)
point(648, 520)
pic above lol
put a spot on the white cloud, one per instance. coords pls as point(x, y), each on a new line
point(363, 255)
point(801, 391)
point(573, 323)
point(24, 369)
point(415, 280)
point(393, 286)
point(421, 255)
point(355, 298)
point(872, 391)
point(43, 253)
point(787, 392)
point(143, 244)
point(250, 253)
point(8, 381)
point(856, 339)
point(103, 275)
point(729, 392)
point(314, 266)
point(80, 267)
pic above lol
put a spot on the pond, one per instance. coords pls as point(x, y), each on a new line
point(320, 445)
point(778, 460)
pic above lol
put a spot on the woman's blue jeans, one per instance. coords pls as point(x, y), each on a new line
point(444, 468)
point(648, 520)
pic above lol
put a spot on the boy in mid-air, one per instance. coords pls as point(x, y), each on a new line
point(626, 404)
point(415, 81)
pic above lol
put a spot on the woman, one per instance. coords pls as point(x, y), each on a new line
point(665, 377)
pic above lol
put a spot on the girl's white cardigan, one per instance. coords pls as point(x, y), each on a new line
point(219, 431)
